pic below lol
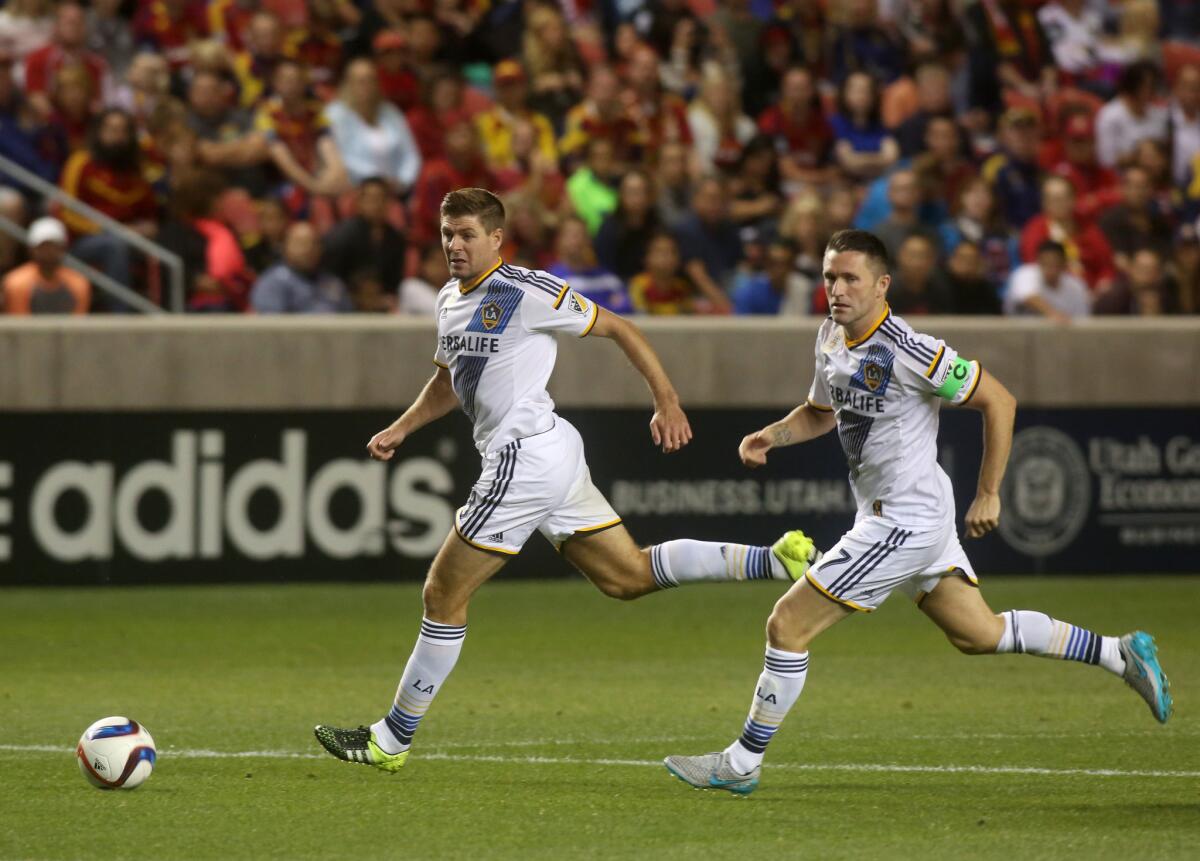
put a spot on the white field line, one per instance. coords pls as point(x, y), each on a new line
point(873, 767)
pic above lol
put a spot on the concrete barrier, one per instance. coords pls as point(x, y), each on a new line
point(248, 363)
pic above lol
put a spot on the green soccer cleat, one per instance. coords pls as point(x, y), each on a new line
point(712, 771)
point(797, 553)
point(1144, 675)
point(358, 745)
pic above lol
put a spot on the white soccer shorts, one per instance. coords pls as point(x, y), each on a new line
point(877, 556)
point(540, 482)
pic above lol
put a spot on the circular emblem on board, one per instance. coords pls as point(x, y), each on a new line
point(1047, 492)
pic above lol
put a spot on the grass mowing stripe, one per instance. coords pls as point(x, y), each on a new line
point(557, 760)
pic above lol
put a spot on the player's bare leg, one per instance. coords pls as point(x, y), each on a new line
point(958, 608)
point(799, 617)
point(457, 572)
point(620, 569)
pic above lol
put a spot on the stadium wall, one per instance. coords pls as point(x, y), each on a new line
point(175, 450)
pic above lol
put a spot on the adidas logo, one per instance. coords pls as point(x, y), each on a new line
point(497, 538)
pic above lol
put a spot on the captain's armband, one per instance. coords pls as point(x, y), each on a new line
point(956, 376)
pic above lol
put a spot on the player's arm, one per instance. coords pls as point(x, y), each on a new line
point(999, 408)
point(669, 426)
point(435, 400)
point(805, 422)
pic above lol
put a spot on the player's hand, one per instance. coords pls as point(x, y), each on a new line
point(984, 515)
point(669, 428)
point(754, 448)
point(384, 444)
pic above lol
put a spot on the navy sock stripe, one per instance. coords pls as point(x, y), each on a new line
point(656, 569)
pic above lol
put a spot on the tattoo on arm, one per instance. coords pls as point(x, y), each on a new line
point(780, 435)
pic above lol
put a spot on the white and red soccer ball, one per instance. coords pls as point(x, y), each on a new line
point(116, 753)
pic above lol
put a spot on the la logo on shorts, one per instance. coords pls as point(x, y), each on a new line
point(489, 314)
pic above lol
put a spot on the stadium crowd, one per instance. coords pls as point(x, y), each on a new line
point(664, 156)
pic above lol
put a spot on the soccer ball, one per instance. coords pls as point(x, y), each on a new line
point(115, 753)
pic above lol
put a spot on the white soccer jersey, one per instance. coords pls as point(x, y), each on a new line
point(496, 335)
point(886, 389)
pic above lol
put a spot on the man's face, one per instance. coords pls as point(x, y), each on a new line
point(289, 82)
point(302, 248)
point(71, 26)
point(461, 144)
point(966, 261)
point(511, 93)
point(1136, 189)
point(1058, 200)
point(1145, 271)
point(708, 202)
point(265, 36)
point(572, 240)
point(114, 133)
point(662, 257)
point(1052, 265)
point(672, 165)
point(797, 88)
point(372, 203)
point(206, 96)
point(778, 264)
point(470, 249)
point(941, 139)
point(48, 255)
point(933, 91)
point(855, 291)
point(1021, 140)
point(903, 191)
point(1187, 88)
point(916, 260)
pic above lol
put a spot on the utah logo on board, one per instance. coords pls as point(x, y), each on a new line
point(489, 314)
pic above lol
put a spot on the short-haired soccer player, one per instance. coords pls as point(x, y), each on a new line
point(495, 352)
point(880, 383)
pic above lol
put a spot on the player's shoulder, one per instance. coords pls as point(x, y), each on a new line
point(537, 284)
point(909, 344)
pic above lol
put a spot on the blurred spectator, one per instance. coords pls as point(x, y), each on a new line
point(736, 21)
point(798, 126)
point(367, 242)
point(916, 287)
point(298, 285)
point(756, 199)
point(933, 100)
point(145, 87)
point(719, 129)
point(661, 288)
point(577, 265)
point(71, 118)
point(24, 138)
point(556, 71)
point(803, 227)
point(298, 138)
point(931, 30)
point(442, 104)
point(496, 125)
point(529, 232)
point(44, 285)
point(461, 167)
point(659, 115)
point(674, 183)
point(1186, 269)
point(264, 248)
point(778, 52)
point(255, 65)
point(317, 46)
point(1088, 253)
point(624, 237)
point(1143, 289)
point(398, 79)
point(1130, 117)
point(13, 207)
point(231, 20)
point(1184, 124)
point(68, 49)
point(25, 26)
point(1096, 187)
point(1045, 287)
point(377, 16)
point(602, 114)
point(170, 27)
point(840, 206)
point(1007, 49)
point(904, 195)
point(861, 45)
point(370, 133)
point(942, 170)
point(976, 221)
point(226, 138)
point(107, 176)
point(1135, 222)
point(1138, 30)
point(778, 289)
point(1013, 171)
point(709, 243)
point(591, 188)
point(863, 147)
point(971, 292)
point(216, 275)
point(110, 36)
point(418, 293)
point(1075, 30)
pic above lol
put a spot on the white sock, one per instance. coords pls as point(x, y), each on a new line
point(432, 660)
point(778, 688)
point(1028, 631)
point(676, 563)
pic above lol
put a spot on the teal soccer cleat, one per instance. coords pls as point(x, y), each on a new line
point(1144, 675)
point(712, 771)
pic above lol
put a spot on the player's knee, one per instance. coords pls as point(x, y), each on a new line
point(439, 601)
point(784, 630)
point(620, 588)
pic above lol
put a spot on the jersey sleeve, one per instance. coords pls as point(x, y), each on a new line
point(937, 368)
point(818, 392)
point(439, 355)
point(557, 309)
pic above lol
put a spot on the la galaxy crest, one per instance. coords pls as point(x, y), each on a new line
point(489, 315)
point(874, 371)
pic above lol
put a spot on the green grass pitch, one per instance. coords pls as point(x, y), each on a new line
point(545, 742)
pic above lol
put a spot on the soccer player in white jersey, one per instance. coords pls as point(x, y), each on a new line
point(495, 352)
point(880, 383)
